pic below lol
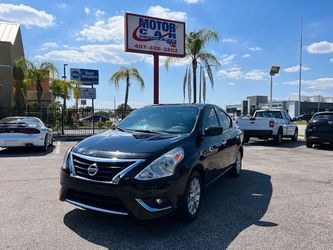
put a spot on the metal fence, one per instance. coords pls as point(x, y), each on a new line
point(72, 122)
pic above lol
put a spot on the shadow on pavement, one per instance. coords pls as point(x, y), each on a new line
point(25, 151)
point(327, 147)
point(285, 144)
point(229, 206)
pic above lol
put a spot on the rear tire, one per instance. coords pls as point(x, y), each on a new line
point(309, 144)
point(278, 137)
point(246, 139)
point(46, 144)
point(237, 166)
point(295, 137)
point(190, 201)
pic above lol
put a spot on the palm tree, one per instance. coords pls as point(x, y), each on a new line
point(36, 74)
point(127, 74)
point(195, 45)
point(63, 89)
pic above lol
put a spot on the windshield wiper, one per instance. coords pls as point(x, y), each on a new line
point(120, 129)
point(147, 131)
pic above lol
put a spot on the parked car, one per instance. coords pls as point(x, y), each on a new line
point(319, 129)
point(304, 117)
point(96, 118)
point(157, 161)
point(266, 124)
point(22, 131)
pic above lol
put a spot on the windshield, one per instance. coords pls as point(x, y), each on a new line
point(31, 121)
point(269, 114)
point(161, 119)
point(323, 117)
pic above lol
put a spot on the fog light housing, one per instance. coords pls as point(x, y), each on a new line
point(158, 201)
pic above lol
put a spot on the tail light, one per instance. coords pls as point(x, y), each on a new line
point(29, 131)
point(271, 124)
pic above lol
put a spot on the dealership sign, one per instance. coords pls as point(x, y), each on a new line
point(87, 93)
point(150, 35)
point(85, 76)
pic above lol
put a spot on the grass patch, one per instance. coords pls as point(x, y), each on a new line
point(301, 122)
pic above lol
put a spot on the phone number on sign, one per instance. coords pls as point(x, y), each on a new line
point(155, 48)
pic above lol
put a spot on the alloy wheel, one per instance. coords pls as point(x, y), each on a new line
point(193, 199)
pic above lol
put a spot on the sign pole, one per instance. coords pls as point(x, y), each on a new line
point(156, 78)
point(93, 112)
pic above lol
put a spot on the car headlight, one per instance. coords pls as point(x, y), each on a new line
point(163, 166)
point(67, 162)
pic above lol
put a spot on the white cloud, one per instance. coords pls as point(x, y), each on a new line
point(62, 6)
point(193, 1)
point(111, 29)
point(25, 15)
point(322, 47)
point(231, 83)
point(331, 60)
point(106, 53)
point(161, 12)
point(319, 83)
point(246, 55)
point(49, 45)
point(255, 49)
point(99, 13)
point(294, 69)
point(227, 59)
point(237, 73)
point(87, 10)
point(229, 40)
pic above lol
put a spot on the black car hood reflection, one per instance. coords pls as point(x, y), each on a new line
point(127, 144)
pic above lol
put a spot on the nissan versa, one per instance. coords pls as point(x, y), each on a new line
point(155, 162)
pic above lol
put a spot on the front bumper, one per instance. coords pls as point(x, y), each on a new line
point(126, 198)
point(21, 140)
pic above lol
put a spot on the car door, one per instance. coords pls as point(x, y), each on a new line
point(212, 152)
point(290, 125)
point(229, 138)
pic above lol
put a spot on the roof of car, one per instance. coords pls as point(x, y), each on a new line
point(197, 105)
point(324, 113)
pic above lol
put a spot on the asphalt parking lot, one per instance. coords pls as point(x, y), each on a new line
point(283, 200)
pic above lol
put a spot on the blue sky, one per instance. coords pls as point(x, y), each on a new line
point(253, 36)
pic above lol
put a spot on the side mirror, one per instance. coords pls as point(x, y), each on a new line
point(213, 131)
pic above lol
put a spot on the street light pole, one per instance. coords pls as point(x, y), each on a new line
point(274, 70)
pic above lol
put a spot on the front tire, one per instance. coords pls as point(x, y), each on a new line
point(309, 144)
point(191, 199)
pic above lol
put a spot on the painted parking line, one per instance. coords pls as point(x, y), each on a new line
point(57, 151)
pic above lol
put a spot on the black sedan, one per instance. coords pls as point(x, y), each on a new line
point(319, 129)
point(157, 161)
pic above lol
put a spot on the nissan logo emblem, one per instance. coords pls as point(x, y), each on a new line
point(93, 169)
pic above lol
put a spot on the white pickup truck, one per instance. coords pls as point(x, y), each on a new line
point(265, 124)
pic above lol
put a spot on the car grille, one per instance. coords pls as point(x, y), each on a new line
point(96, 200)
point(107, 169)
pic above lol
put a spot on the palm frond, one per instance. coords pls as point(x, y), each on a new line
point(134, 73)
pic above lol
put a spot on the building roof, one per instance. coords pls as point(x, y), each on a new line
point(8, 32)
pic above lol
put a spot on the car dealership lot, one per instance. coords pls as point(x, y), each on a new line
point(283, 199)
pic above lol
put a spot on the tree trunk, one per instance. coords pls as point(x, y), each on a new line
point(200, 75)
point(194, 67)
point(39, 92)
point(126, 96)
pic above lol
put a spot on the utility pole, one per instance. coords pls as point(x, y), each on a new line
point(300, 69)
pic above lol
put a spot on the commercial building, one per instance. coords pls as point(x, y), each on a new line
point(309, 105)
point(11, 49)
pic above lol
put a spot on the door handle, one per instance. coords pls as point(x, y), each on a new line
point(224, 142)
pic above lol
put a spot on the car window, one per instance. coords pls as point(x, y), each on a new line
point(210, 119)
point(223, 118)
point(167, 119)
point(323, 117)
point(269, 114)
point(31, 121)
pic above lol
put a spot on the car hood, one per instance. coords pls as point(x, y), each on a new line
point(119, 144)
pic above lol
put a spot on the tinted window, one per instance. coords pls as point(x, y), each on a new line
point(161, 119)
point(210, 119)
point(323, 117)
point(269, 114)
point(223, 118)
point(31, 121)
